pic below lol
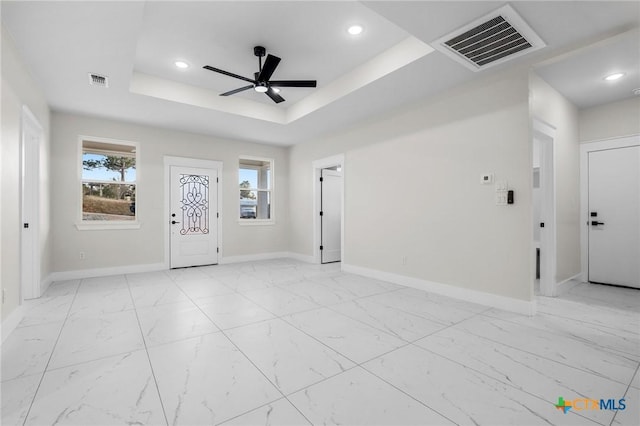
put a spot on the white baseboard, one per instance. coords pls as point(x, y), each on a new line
point(301, 257)
point(493, 300)
point(44, 285)
point(564, 286)
point(253, 257)
point(11, 322)
point(152, 267)
point(103, 272)
point(266, 256)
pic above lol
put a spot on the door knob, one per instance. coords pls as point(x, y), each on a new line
point(596, 223)
point(173, 222)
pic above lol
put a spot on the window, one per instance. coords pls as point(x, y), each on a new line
point(255, 176)
point(108, 184)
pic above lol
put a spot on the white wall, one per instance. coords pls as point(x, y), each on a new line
point(550, 106)
point(412, 188)
point(18, 90)
point(145, 246)
point(611, 120)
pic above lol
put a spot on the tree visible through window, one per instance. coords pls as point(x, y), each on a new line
point(108, 181)
point(256, 191)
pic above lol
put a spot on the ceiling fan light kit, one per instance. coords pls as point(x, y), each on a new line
point(261, 82)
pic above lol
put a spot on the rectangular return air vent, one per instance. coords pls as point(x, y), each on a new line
point(98, 80)
point(491, 40)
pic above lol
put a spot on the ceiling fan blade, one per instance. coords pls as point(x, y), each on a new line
point(268, 68)
point(234, 91)
point(274, 96)
point(230, 74)
point(293, 83)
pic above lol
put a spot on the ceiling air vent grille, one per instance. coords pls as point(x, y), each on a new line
point(98, 80)
point(495, 38)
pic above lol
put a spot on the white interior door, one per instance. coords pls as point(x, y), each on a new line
point(331, 218)
point(193, 216)
point(544, 208)
point(30, 194)
point(614, 216)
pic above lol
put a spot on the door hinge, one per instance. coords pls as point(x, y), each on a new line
point(217, 214)
point(217, 249)
point(321, 247)
point(321, 213)
point(217, 180)
point(321, 179)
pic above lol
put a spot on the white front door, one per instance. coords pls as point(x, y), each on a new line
point(614, 216)
point(331, 218)
point(193, 216)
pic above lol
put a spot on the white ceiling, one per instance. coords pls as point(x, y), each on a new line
point(390, 65)
point(587, 87)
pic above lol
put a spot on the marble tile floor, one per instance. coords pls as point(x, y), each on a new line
point(282, 342)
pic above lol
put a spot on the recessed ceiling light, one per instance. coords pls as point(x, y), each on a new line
point(636, 91)
point(615, 76)
point(355, 29)
point(181, 64)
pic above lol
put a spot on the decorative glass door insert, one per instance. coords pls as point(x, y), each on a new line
point(194, 203)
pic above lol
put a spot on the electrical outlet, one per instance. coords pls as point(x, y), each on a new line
point(82, 256)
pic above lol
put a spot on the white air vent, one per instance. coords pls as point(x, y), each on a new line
point(495, 38)
point(98, 80)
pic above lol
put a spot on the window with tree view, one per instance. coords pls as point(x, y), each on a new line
point(256, 190)
point(108, 181)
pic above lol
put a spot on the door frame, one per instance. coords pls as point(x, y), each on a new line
point(30, 205)
point(546, 134)
point(318, 165)
point(170, 161)
point(585, 149)
point(324, 173)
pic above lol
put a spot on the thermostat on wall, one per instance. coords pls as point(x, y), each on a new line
point(487, 178)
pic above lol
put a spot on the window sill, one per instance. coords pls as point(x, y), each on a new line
point(84, 226)
point(256, 222)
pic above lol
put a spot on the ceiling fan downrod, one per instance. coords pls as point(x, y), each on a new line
point(259, 51)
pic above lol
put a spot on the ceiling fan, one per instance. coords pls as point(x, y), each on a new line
point(260, 82)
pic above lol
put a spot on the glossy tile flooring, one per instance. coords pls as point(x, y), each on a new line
point(287, 343)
